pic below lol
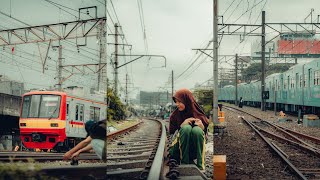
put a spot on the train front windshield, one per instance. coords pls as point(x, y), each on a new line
point(41, 106)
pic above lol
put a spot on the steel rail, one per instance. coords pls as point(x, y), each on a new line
point(116, 133)
point(283, 158)
point(312, 138)
point(155, 171)
point(289, 134)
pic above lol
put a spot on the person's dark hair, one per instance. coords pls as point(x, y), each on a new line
point(96, 129)
point(89, 125)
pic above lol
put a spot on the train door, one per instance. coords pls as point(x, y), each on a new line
point(297, 83)
point(68, 119)
point(75, 124)
point(309, 83)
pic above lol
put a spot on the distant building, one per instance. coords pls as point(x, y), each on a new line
point(289, 47)
point(298, 45)
point(152, 99)
point(8, 86)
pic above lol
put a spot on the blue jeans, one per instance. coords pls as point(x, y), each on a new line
point(98, 146)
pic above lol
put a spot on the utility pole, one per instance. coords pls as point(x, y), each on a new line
point(236, 70)
point(215, 61)
point(102, 78)
point(59, 68)
point(263, 50)
point(269, 56)
point(116, 60)
point(127, 89)
point(172, 91)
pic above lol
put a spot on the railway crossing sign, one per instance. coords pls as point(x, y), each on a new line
point(265, 94)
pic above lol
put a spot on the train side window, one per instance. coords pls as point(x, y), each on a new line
point(309, 77)
point(94, 113)
point(97, 113)
point(77, 112)
point(304, 81)
point(316, 77)
point(297, 78)
point(91, 113)
point(81, 112)
point(67, 111)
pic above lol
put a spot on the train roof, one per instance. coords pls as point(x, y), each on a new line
point(45, 92)
point(228, 86)
point(91, 98)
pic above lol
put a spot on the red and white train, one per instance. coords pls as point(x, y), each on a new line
point(55, 120)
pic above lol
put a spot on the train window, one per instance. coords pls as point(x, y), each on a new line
point(77, 112)
point(34, 107)
point(25, 106)
point(91, 112)
point(285, 84)
point(300, 80)
point(49, 106)
point(41, 106)
point(304, 81)
point(309, 77)
point(94, 113)
point(316, 77)
point(297, 78)
point(67, 111)
point(81, 113)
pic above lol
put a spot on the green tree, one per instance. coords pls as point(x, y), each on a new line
point(205, 99)
point(116, 109)
point(253, 72)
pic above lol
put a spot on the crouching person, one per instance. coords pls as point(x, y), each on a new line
point(96, 140)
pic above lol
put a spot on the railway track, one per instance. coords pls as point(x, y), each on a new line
point(6, 156)
point(299, 151)
point(131, 155)
point(138, 152)
point(141, 154)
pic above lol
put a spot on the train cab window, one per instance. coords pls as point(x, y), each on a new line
point(34, 108)
point(49, 106)
point(26, 106)
point(41, 106)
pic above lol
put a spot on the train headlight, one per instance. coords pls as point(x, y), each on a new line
point(23, 124)
point(54, 124)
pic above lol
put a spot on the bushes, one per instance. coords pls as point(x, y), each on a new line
point(116, 109)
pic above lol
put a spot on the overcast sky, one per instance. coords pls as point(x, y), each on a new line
point(172, 29)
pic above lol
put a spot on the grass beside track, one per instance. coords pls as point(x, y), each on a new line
point(122, 124)
point(21, 171)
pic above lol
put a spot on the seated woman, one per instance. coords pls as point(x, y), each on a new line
point(191, 125)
